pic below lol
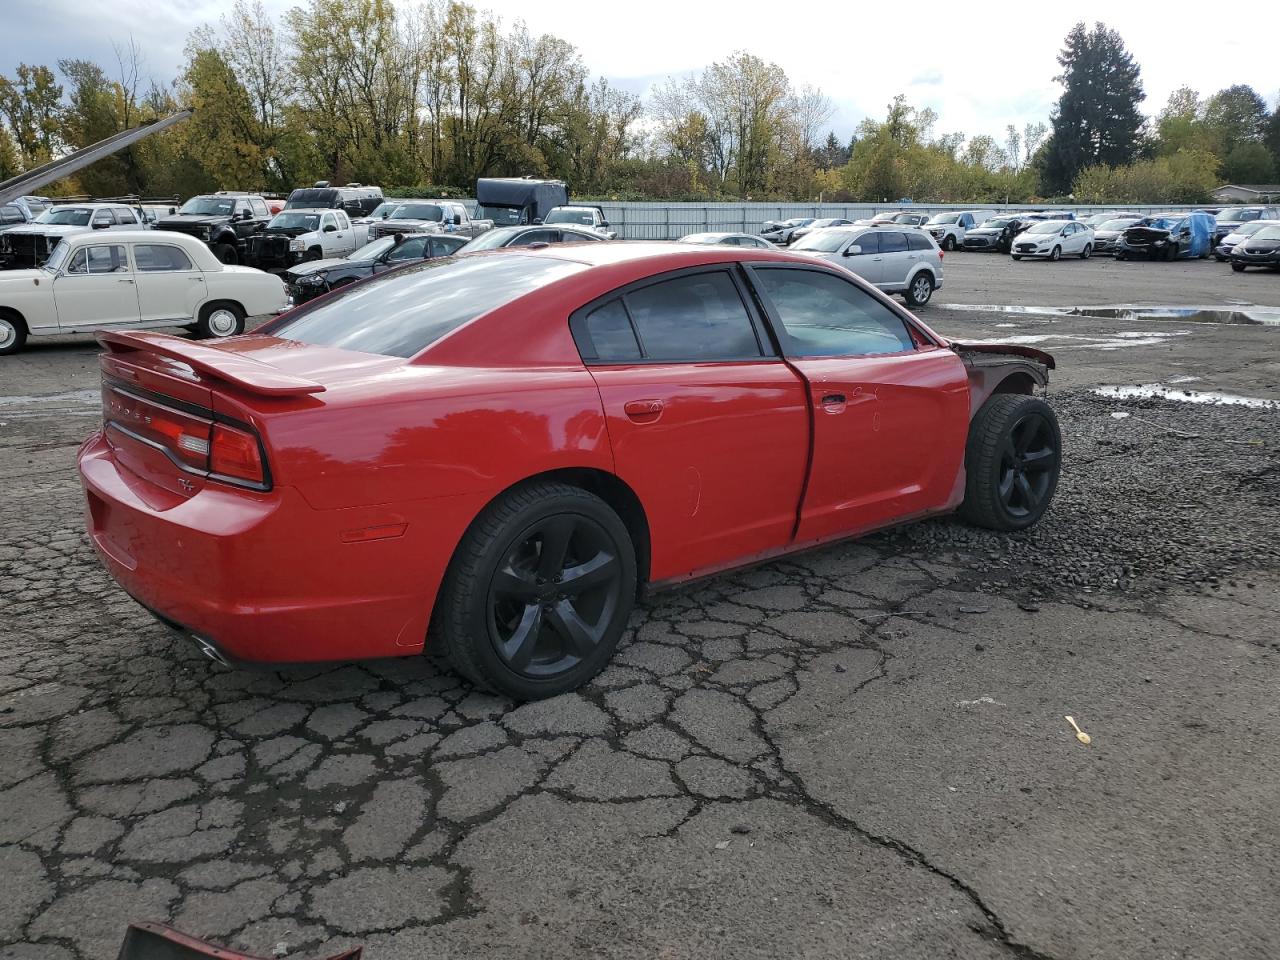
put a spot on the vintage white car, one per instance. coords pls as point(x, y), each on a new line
point(132, 279)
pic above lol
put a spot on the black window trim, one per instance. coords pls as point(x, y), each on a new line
point(783, 339)
point(769, 352)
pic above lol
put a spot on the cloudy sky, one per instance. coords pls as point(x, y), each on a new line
point(981, 64)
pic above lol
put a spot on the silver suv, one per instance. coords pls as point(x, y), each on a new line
point(895, 260)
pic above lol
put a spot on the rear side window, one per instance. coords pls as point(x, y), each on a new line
point(612, 338)
point(893, 242)
point(155, 257)
point(827, 316)
point(402, 312)
point(918, 241)
point(695, 317)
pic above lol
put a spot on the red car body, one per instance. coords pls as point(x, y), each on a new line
point(365, 471)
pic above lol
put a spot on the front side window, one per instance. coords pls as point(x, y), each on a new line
point(827, 316)
point(695, 317)
point(330, 221)
point(101, 258)
point(825, 241)
point(415, 248)
point(157, 257)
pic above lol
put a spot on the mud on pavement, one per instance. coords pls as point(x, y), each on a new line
point(860, 751)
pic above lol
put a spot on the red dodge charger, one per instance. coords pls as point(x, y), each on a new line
point(498, 452)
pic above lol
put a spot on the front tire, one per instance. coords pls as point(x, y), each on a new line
point(13, 333)
point(538, 592)
point(1055, 254)
point(920, 290)
point(1237, 267)
point(219, 321)
point(1011, 461)
point(1016, 256)
point(1086, 252)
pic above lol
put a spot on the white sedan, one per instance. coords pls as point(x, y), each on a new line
point(1054, 239)
point(133, 279)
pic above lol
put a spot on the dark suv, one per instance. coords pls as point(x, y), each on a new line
point(224, 221)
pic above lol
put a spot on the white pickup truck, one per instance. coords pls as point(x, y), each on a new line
point(582, 215)
point(293, 236)
point(948, 229)
point(430, 216)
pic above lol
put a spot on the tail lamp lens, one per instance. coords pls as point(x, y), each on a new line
point(236, 454)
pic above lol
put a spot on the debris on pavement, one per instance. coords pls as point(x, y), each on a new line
point(1080, 734)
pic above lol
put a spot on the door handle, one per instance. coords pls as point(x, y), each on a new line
point(124, 281)
point(643, 411)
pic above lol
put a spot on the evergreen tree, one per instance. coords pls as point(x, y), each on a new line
point(1237, 114)
point(1097, 120)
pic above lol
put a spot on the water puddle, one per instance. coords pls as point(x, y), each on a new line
point(1249, 314)
point(1163, 391)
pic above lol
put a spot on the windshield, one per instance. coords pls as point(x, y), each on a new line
point(503, 216)
point(371, 251)
point(1249, 229)
point(1120, 223)
point(400, 313)
point(419, 211)
point(385, 209)
point(490, 239)
point(1163, 223)
point(708, 238)
point(66, 216)
point(828, 241)
point(1098, 219)
point(1268, 233)
point(944, 218)
point(565, 215)
point(208, 206)
point(1046, 226)
point(54, 263)
point(1239, 214)
point(907, 218)
point(998, 222)
point(295, 221)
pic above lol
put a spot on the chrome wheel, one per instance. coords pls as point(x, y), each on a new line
point(554, 596)
point(8, 333)
point(223, 322)
point(921, 290)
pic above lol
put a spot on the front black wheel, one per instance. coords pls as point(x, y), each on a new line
point(538, 592)
point(1237, 267)
point(948, 243)
point(1011, 462)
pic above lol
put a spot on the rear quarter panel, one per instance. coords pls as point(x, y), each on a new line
point(256, 291)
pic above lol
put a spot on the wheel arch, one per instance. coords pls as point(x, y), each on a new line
point(13, 313)
point(610, 488)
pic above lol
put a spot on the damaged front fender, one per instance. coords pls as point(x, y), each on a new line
point(1002, 368)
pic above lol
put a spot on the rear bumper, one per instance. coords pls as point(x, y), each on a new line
point(260, 578)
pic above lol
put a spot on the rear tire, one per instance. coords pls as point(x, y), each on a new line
point(219, 321)
point(949, 242)
point(226, 253)
point(538, 593)
point(13, 333)
point(920, 290)
point(1011, 461)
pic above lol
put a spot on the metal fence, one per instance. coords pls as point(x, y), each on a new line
point(670, 221)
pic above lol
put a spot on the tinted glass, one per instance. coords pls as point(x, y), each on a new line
point(535, 236)
point(159, 256)
point(869, 242)
point(893, 242)
point(823, 241)
point(403, 311)
point(826, 316)
point(415, 248)
point(612, 339)
point(446, 246)
point(918, 241)
point(699, 317)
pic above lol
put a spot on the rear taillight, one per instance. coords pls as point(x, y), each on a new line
point(236, 454)
point(941, 253)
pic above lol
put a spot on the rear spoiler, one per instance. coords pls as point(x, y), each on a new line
point(251, 375)
point(1008, 349)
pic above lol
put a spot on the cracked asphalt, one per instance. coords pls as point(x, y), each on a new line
point(856, 752)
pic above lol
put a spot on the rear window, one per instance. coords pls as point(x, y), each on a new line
point(401, 313)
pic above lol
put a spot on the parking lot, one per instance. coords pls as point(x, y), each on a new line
point(859, 752)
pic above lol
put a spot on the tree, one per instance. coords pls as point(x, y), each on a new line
point(1097, 120)
point(1013, 148)
point(1271, 136)
point(31, 104)
point(222, 131)
point(9, 163)
point(1249, 163)
point(1237, 114)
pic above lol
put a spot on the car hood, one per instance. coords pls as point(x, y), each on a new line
point(1107, 234)
point(1260, 246)
point(14, 279)
point(1145, 234)
point(190, 219)
point(410, 226)
point(315, 266)
point(50, 229)
point(983, 231)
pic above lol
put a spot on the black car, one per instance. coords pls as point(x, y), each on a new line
point(996, 234)
point(1260, 250)
point(308, 280)
point(225, 221)
point(531, 236)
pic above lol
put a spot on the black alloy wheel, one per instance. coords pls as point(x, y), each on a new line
point(538, 592)
point(1012, 462)
point(553, 597)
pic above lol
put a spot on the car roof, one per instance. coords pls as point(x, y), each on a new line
point(197, 249)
